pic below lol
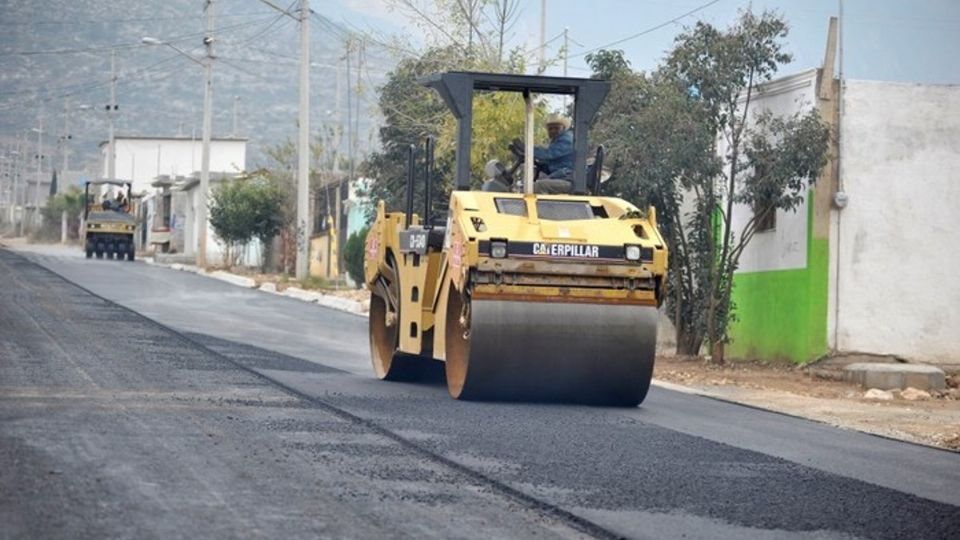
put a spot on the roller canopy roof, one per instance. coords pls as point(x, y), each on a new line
point(457, 88)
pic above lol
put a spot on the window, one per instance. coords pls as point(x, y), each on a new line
point(768, 221)
point(165, 210)
point(550, 210)
point(766, 216)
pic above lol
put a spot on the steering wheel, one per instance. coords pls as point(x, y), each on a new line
point(516, 148)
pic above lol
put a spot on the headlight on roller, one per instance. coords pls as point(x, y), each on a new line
point(498, 249)
point(632, 253)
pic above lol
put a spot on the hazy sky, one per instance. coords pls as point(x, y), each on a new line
point(897, 40)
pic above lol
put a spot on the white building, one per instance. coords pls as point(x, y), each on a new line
point(142, 159)
point(893, 248)
point(866, 264)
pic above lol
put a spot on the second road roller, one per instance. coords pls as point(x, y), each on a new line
point(524, 293)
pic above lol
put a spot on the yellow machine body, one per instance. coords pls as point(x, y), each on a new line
point(547, 260)
point(109, 228)
point(523, 295)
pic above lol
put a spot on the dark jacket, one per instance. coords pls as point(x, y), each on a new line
point(559, 155)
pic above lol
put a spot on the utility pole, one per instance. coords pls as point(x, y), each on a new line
point(566, 57)
point(64, 138)
point(337, 139)
point(343, 188)
point(205, 152)
point(303, 145)
point(351, 138)
point(36, 196)
point(111, 111)
point(543, 37)
point(21, 150)
point(236, 104)
point(7, 173)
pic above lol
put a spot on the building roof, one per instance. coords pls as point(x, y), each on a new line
point(174, 138)
point(186, 183)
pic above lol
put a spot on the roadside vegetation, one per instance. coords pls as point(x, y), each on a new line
point(70, 201)
point(685, 139)
point(250, 207)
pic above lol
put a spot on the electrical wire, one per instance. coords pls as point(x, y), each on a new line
point(121, 46)
point(345, 33)
point(647, 31)
point(112, 22)
point(80, 88)
point(267, 28)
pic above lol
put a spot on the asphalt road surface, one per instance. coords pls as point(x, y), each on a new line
point(138, 401)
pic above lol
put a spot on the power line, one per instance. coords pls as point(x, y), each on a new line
point(108, 48)
point(111, 22)
point(89, 84)
point(229, 63)
point(345, 33)
point(83, 89)
point(260, 32)
point(80, 88)
point(647, 31)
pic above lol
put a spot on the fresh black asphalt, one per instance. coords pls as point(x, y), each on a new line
point(308, 443)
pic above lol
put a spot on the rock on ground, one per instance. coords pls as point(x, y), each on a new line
point(913, 394)
point(876, 393)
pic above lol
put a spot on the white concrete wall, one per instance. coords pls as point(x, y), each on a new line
point(142, 160)
point(785, 246)
point(895, 289)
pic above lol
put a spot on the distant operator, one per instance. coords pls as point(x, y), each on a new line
point(556, 159)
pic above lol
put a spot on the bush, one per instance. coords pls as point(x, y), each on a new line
point(70, 201)
point(353, 254)
point(247, 208)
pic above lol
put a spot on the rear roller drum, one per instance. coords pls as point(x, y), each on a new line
point(549, 351)
point(388, 362)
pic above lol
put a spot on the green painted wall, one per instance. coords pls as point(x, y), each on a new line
point(782, 314)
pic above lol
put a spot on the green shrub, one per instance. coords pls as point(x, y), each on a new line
point(353, 254)
point(247, 208)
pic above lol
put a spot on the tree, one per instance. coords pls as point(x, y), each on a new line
point(498, 118)
point(478, 29)
point(280, 170)
point(412, 112)
point(664, 130)
point(608, 64)
point(70, 201)
point(353, 254)
point(246, 208)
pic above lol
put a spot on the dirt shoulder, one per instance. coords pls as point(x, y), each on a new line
point(795, 390)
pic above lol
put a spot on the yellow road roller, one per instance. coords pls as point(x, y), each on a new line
point(525, 296)
point(109, 220)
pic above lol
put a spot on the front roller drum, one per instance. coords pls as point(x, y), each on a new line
point(389, 363)
point(550, 351)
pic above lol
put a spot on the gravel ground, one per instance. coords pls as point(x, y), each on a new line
point(793, 390)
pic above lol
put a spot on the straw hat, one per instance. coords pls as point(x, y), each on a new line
point(558, 119)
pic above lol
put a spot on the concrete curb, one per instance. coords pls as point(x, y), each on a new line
point(326, 300)
point(233, 279)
